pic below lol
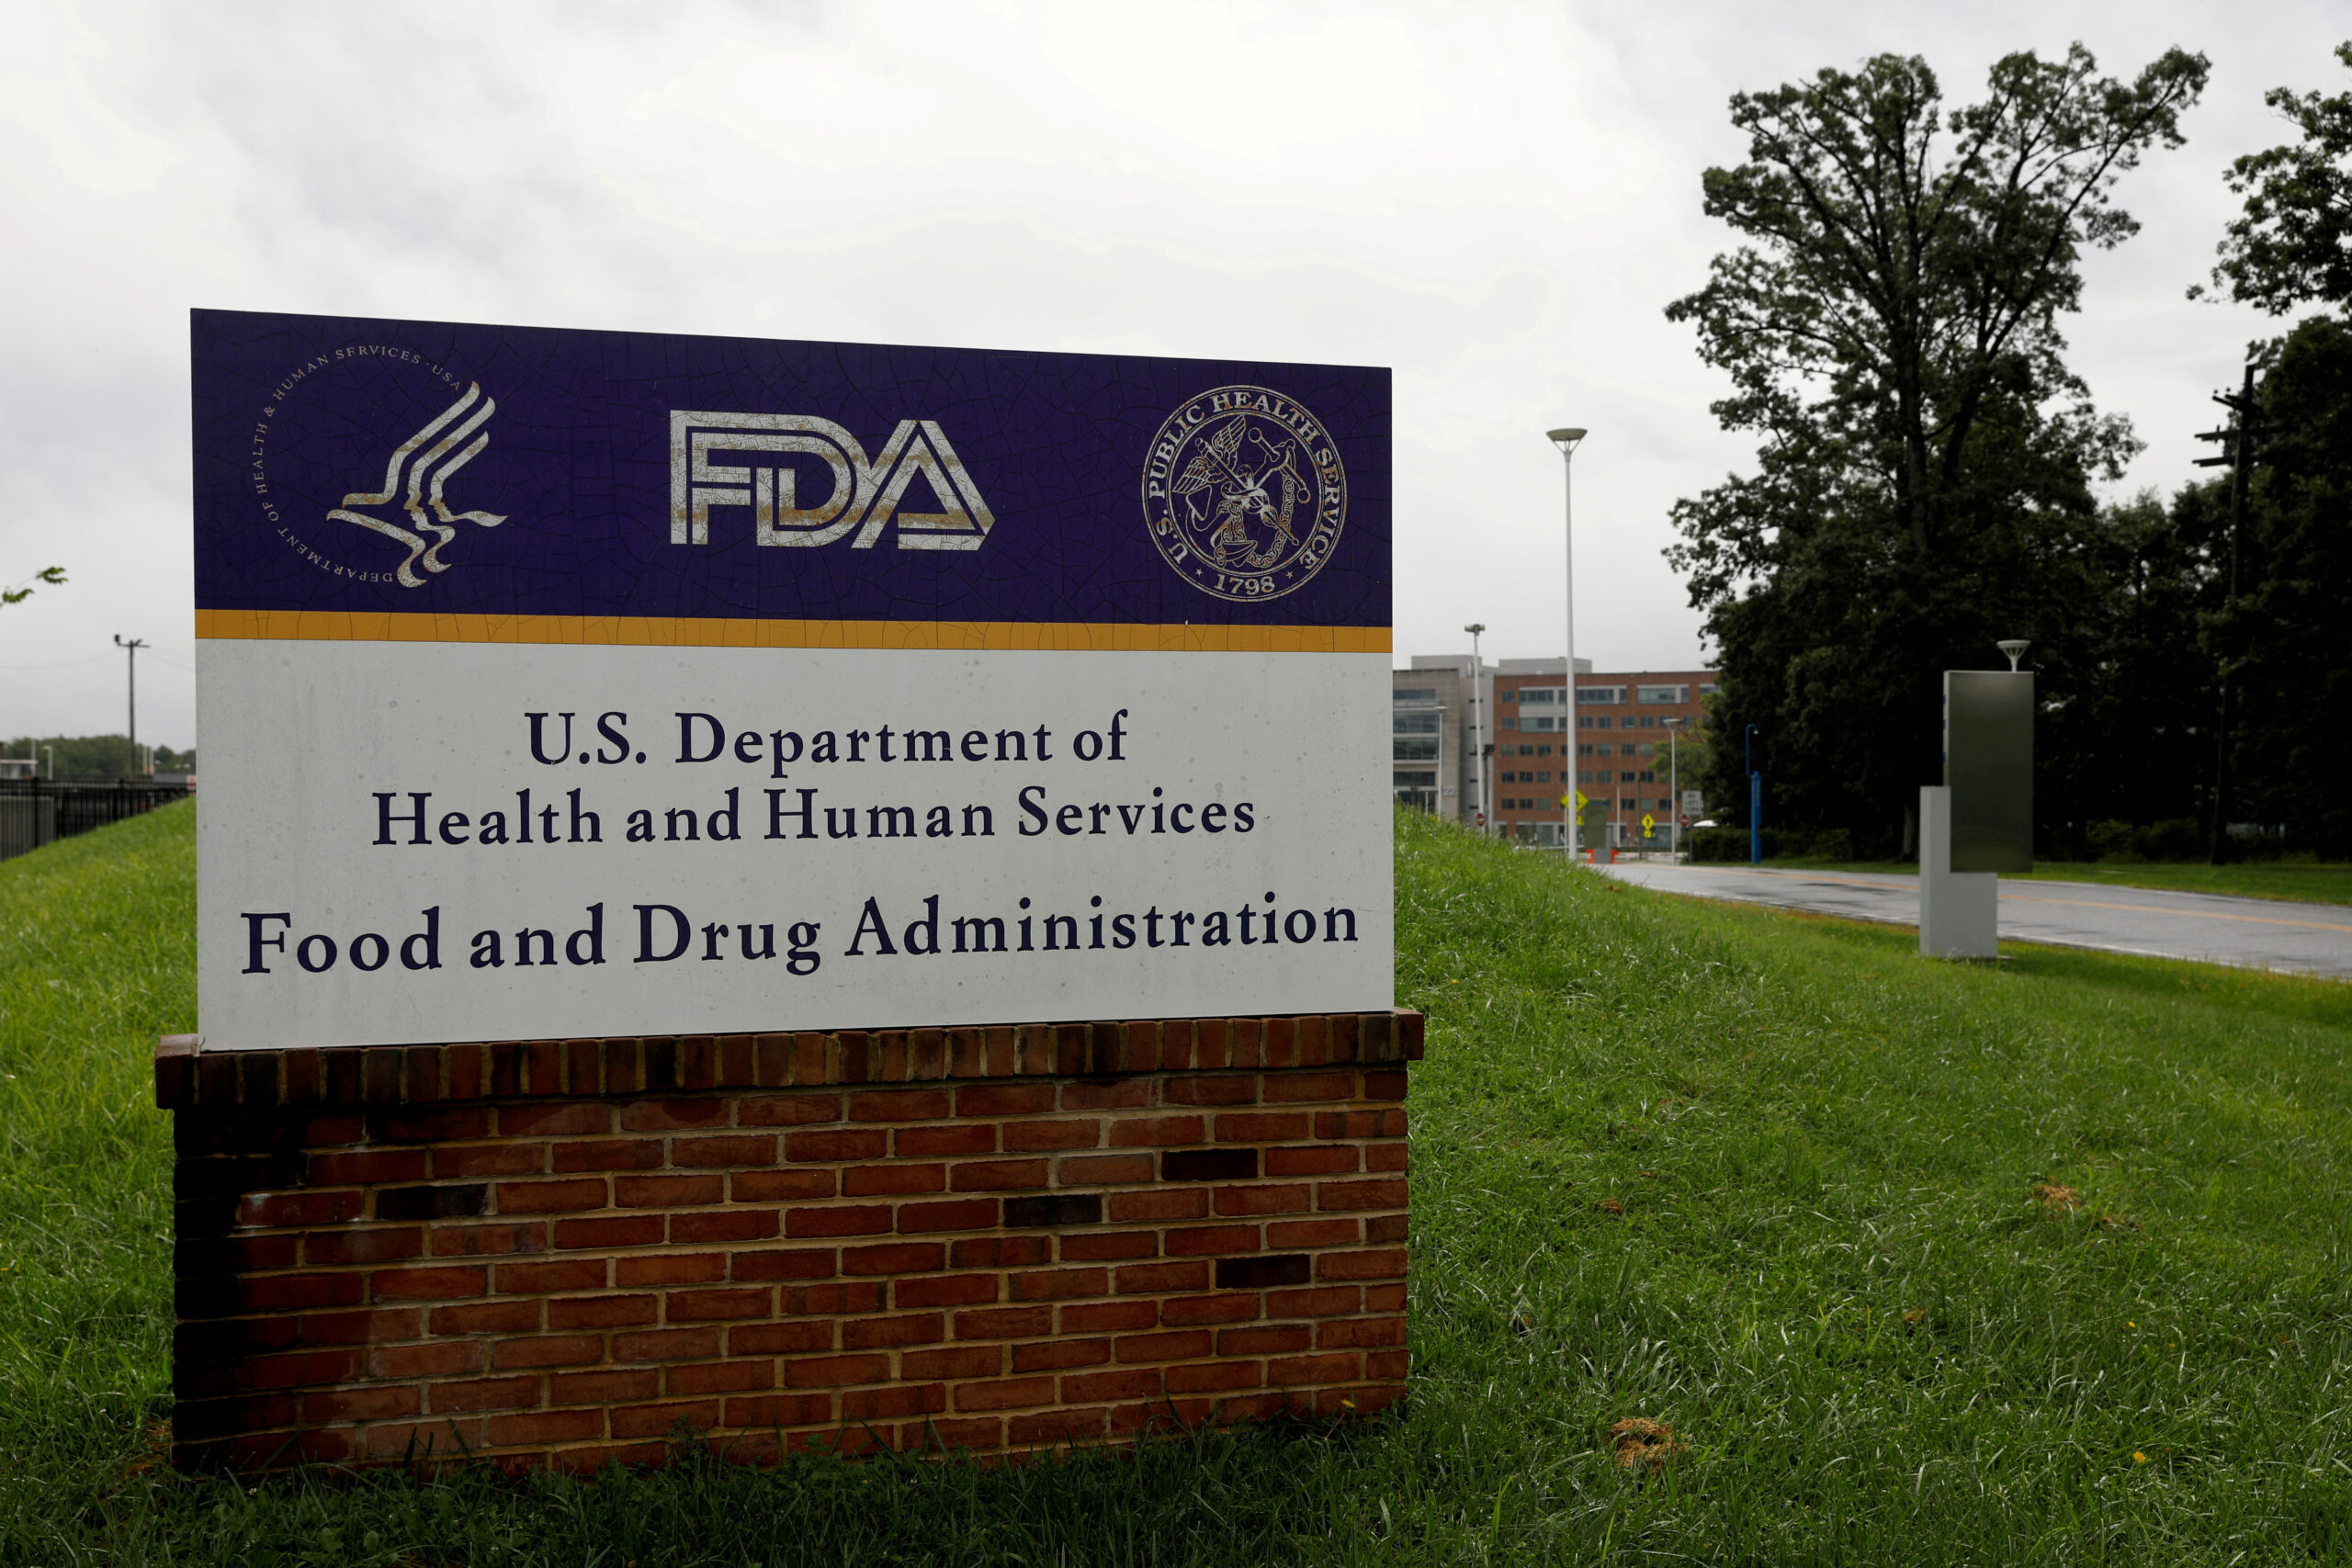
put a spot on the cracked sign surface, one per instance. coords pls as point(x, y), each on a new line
point(563, 682)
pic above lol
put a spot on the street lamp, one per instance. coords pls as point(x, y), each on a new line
point(1673, 791)
point(1568, 439)
point(1477, 728)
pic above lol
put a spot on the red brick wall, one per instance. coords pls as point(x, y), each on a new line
point(995, 1239)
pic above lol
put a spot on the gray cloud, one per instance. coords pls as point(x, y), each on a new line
point(1497, 200)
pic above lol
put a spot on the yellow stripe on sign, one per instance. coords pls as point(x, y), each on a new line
point(685, 631)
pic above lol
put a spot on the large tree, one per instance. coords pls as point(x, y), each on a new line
point(1922, 484)
point(2290, 667)
point(2291, 246)
point(2281, 637)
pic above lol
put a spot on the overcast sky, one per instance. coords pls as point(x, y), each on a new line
point(1494, 200)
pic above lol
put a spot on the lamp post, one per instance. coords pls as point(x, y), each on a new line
point(1673, 791)
point(1568, 439)
point(1477, 728)
point(51, 750)
point(132, 647)
point(1755, 801)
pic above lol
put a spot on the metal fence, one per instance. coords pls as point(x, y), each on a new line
point(34, 812)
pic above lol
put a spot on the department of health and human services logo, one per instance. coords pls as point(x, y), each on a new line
point(1244, 493)
point(332, 424)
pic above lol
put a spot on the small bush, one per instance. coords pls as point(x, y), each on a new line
point(2114, 841)
point(1837, 843)
point(2179, 839)
point(1727, 845)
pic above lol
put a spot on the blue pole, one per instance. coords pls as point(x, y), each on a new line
point(1755, 801)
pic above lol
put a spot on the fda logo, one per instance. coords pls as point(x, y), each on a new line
point(746, 459)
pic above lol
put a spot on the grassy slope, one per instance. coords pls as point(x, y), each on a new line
point(1811, 1132)
point(95, 960)
point(2299, 881)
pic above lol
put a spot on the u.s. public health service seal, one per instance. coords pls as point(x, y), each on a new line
point(1244, 493)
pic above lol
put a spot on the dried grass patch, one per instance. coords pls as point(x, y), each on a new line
point(1645, 1445)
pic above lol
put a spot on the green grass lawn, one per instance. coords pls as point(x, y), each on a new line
point(2299, 881)
point(1766, 1178)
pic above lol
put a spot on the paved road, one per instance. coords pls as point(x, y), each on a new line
point(2253, 933)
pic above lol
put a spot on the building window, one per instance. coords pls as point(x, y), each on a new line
point(1405, 695)
point(1509, 722)
point(1415, 721)
point(1415, 749)
point(1675, 694)
point(1544, 775)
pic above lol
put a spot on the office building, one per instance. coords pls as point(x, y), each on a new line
point(1619, 733)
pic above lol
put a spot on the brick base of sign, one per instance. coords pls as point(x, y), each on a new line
point(992, 1239)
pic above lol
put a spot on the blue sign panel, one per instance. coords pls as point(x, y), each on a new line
point(593, 482)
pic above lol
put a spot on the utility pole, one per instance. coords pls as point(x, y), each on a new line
point(132, 647)
point(2238, 441)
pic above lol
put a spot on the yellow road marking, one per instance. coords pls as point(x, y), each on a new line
point(2190, 914)
point(2029, 898)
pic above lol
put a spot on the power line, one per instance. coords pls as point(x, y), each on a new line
point(60, 664)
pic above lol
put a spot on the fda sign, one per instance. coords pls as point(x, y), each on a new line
point(519, 731)
point(744, 459)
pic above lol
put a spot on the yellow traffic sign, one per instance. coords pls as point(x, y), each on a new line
point(1581, 801)
point(1649, 826)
